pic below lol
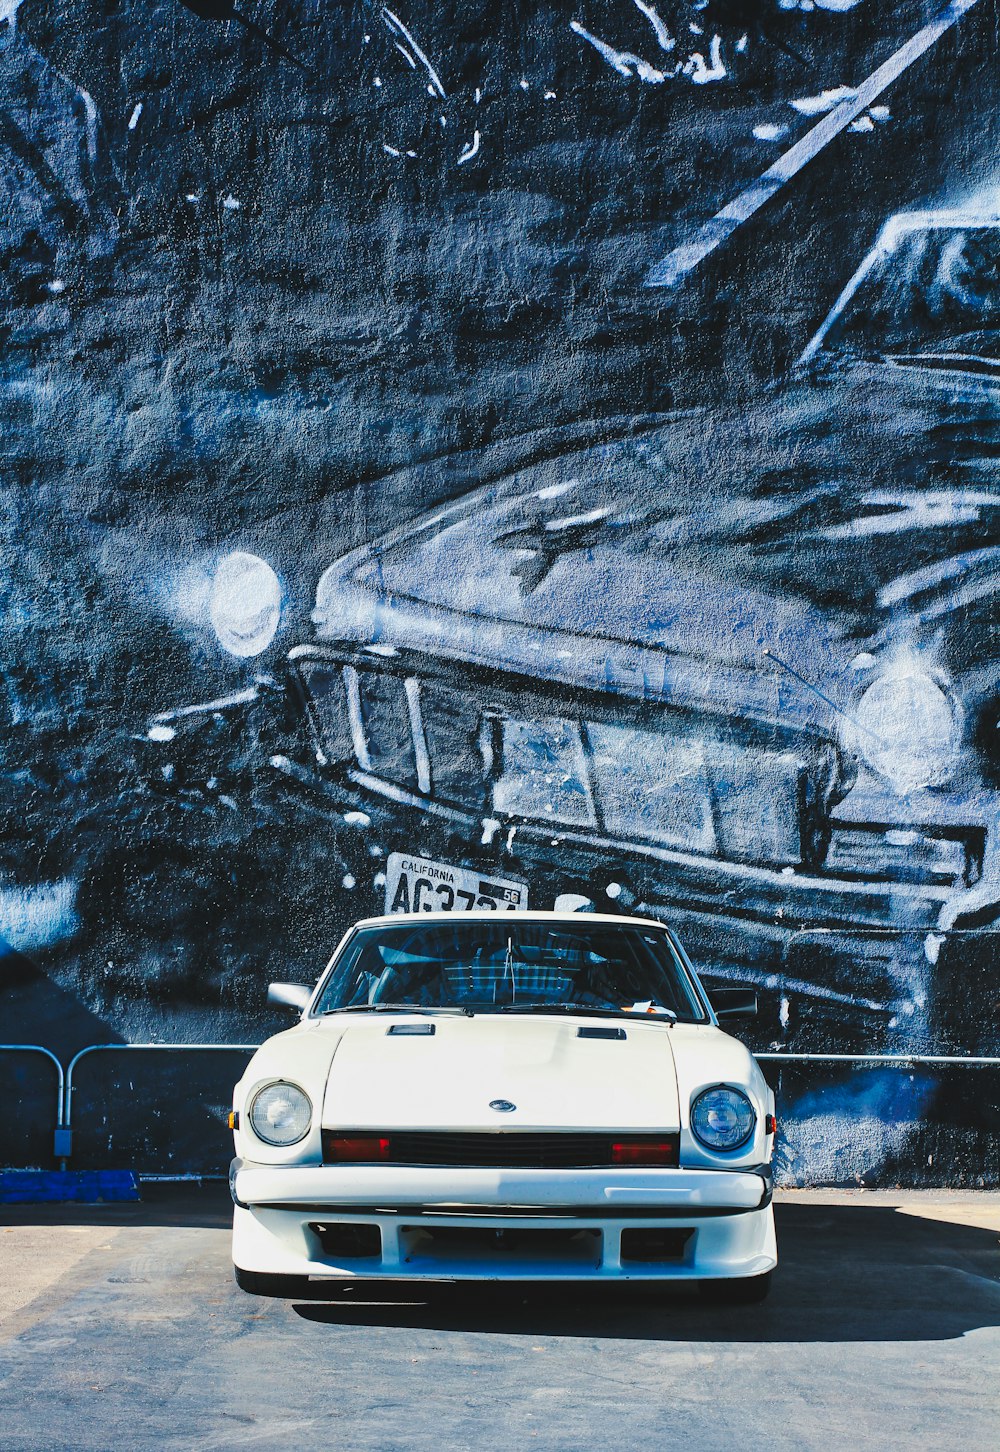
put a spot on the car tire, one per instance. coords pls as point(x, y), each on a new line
point(738, 1291)
point(263, 1283)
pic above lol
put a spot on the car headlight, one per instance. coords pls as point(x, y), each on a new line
point(907, 730)
point(245, 606)
point(722, 1119)
point(281, 1114)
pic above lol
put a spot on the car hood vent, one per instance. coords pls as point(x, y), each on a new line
point(600, 1031)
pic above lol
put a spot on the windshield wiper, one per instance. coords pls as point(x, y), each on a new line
point(401, 1008)
point(584, 1011)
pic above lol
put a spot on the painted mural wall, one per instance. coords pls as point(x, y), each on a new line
point(535, 454)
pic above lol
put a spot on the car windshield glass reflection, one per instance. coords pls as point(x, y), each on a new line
point(511, 967)
point(934, 294)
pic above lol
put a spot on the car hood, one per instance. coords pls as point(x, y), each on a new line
point(833, 514)
point(556, 1079)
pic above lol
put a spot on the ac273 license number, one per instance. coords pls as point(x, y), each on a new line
point(420, 885)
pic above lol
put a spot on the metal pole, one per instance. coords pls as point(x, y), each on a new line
point(67, 1111)
point(58, 1144)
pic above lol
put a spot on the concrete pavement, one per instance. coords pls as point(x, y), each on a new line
point(121, 1328)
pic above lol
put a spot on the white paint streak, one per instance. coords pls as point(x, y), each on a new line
point(769, 131)
point(623, 61)
point(421, 754)
point(471, 150)
point(90, 108)
point(937, 508)
point(359, 740)
point(569, 520)
point(930, 577)
point(208, 708)
point(133, 120)
point(396, 26)
point(825, 101)
point(678, 263)
point(700, 73)
point(664, 39)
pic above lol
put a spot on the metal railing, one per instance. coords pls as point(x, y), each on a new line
point(62, 1140)
point(899, 1060)
point(58, 1146)
point(63, 1130)
point(65, 1127)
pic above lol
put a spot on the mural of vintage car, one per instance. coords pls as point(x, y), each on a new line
point(738, 671)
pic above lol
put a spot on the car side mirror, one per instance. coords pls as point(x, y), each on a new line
point(732, 1003)
point(289, 995)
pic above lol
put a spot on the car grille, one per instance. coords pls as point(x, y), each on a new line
point(527, 1149)
point(665, 777)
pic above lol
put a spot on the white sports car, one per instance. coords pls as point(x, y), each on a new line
point(505, 1096)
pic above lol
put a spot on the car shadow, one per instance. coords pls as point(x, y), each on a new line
point(847, 1273)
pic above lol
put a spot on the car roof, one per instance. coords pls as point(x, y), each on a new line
point(895, 227)
point(517, 915)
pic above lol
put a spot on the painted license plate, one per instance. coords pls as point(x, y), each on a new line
point(419, 885)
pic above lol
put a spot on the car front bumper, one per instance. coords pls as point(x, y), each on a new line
point(502, 1224)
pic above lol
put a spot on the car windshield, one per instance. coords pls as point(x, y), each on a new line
point(504, 965)
point(925, 293)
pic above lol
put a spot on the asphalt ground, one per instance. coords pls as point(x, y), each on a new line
point(121, 1328)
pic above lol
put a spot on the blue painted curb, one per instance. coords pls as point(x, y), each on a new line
point(89, 1187)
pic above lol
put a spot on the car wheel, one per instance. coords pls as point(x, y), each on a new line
point(739, 1291)
point(262, 1283)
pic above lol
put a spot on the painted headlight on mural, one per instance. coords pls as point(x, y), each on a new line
point(245, 605)
point(722, 1118)
point(281, 1114)
point(908, 730)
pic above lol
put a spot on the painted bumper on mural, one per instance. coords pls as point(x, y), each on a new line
point(500, 1224)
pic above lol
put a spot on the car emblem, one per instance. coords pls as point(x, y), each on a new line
point(502, 1106)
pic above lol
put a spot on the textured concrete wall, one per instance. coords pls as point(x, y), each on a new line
point(363, 507)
